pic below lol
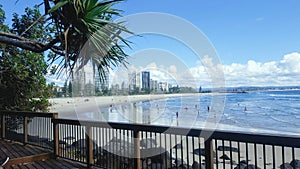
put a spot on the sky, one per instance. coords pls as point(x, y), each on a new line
point(256, 43)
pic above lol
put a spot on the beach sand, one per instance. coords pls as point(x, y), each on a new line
point(93, 104)
point(69, 106)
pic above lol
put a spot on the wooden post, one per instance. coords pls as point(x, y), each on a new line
point(89, 146)
point(209, 154)
point(25, 129)
point(137, 150)
point(3, 127)
point(55, 136)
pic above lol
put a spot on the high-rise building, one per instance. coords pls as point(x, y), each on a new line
point(102, 84)
point(154, 85)
point(145, 80)
point(132, 78)
point(83, 81)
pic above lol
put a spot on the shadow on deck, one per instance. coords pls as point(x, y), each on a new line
point(32, 157)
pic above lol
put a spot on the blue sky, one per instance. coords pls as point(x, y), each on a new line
point(258, 42)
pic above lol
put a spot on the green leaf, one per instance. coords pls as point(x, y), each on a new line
point(58, 5)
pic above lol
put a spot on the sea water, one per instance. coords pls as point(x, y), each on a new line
point(257, 111)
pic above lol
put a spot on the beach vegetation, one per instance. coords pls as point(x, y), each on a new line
point(22, 82)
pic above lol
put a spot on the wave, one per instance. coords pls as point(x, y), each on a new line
point(281, 120)
point(284, 95)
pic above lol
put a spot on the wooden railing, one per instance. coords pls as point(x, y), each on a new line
point(28, 127)
point(120, 145)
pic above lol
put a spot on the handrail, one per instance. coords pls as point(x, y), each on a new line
point(282, 140)
point(27, 113)
point(278, 139)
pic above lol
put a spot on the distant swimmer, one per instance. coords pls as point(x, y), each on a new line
point(245, 109)
point(177, 114)
point(208, 108)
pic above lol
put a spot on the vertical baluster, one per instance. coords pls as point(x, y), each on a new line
point(193, 148)
point(231, 160)
point(160, 146)
point(209, 158)
point(223, 153)
point(181, 150)
point(264, 156)
point(216, 146)
point(55, 136)
point(255, 155)
point(247, 154)
point(199, 144)
point(25, 129)
point(170, 148)
point(273, 156)
point(187, 150)
point(137, 155)
point(283, 155)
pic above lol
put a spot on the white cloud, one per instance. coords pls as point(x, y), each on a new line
point(274, 73)
point(284, 72)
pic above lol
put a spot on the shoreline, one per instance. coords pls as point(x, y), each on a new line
point(92, 103)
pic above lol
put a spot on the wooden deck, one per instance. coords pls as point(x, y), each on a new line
point(32, 157)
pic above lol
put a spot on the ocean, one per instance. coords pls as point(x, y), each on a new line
point(256, 112)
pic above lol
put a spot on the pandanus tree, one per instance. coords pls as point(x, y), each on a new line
point(77, 22)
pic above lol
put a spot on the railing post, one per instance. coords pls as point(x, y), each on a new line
point(137, 150)
point(25, 129)
point(55, 136)
point(3, 125)
point(89, 146)
point(209, 154)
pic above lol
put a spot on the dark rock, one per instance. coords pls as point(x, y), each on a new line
point(148, 143)
point(227, 148)
point(243, 162)
point(157, 155)
point(196, 165)
point(286, 166)
point(123, 148)
point(244, 166)
point(81, 144)
point(178, 146)
point(225, 157)
point(184, 166)
point(201, 151)
point(80, 147)
point(241, 166)
point(295, 164)
point(179, 162)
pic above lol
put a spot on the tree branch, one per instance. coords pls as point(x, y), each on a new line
point(32, 45)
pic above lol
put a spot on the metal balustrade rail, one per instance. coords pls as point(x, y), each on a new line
point(28, 127)
point(121, 146)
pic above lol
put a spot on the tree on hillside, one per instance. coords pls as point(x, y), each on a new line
point(22, 82)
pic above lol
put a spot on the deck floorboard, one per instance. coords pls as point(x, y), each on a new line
point(15, 150)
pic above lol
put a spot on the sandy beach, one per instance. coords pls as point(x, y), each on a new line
point(93, 104)
point(69, 106)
